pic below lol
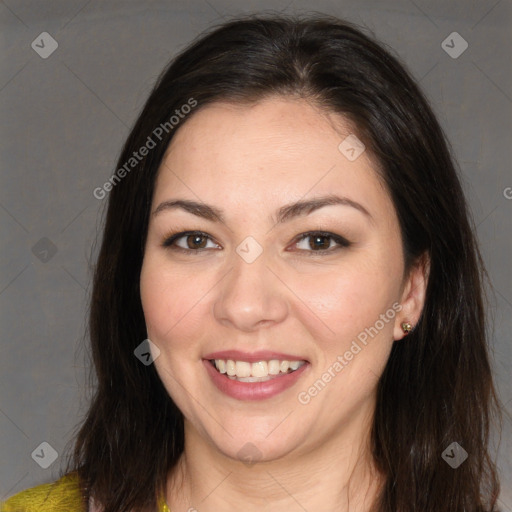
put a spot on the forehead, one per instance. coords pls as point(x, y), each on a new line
point(264, 152)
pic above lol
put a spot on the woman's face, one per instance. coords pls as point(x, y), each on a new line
point(251, 293)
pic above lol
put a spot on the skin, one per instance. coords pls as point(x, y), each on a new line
point(248, 161)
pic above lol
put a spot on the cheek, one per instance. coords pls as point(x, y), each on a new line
point(349, 299)
point(172, 311)
point(155, 299)
point(350, 302)
point(173, 302)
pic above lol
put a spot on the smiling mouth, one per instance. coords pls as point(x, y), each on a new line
point(259, 371)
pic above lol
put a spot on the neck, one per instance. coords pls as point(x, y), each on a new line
point(328, 477)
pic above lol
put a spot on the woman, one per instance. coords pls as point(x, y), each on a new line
point(287, 309)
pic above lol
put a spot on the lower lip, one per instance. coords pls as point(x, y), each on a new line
point(253, 390)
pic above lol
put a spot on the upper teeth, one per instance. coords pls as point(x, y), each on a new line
point(258, 369)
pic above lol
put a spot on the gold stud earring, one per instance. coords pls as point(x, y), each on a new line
point(406, 327)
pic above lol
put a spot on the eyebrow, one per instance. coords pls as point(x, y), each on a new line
point(284, 214)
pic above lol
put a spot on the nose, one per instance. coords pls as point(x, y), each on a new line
point(251, 296)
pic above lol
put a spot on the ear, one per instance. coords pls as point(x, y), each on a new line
point(413, 295)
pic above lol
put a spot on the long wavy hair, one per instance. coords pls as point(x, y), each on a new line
point(437, 387)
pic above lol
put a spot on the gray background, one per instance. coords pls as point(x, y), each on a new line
point(64, 121)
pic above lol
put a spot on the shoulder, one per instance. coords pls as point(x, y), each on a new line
point(63, 495)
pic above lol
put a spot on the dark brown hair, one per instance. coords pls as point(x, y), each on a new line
point(437, 387)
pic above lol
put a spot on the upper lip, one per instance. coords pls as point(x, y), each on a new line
point(252, 357)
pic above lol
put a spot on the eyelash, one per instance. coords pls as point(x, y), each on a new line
point(342, 242)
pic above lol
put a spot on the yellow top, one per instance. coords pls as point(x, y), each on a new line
point(62, 495)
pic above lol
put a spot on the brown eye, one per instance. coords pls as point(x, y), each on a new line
point(192, 241)
point(196, 241)
point(320, 242)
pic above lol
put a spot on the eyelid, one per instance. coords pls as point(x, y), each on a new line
point(341, 241)
point(172, 237)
